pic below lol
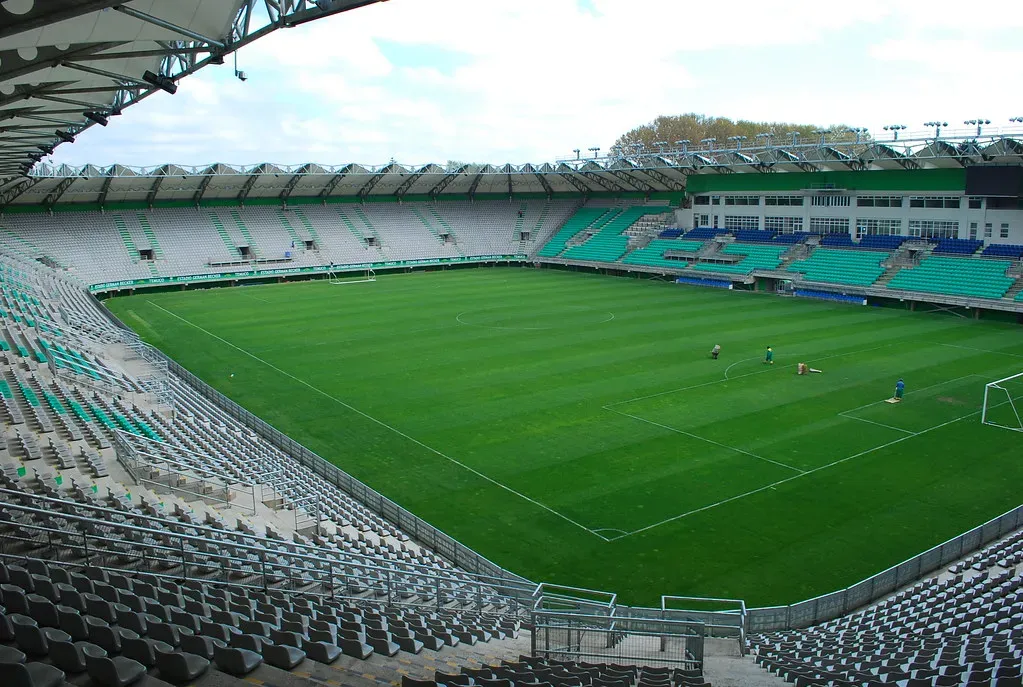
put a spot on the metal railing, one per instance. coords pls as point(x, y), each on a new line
point(836, 604)
point(151, 462)
point(604, 639)
point(717, 618)
point(128, 541)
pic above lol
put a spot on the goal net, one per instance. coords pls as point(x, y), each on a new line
point(1003, 403)
point(352, 277)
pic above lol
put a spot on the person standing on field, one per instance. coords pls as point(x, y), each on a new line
point(714, 352)
point(769, 357)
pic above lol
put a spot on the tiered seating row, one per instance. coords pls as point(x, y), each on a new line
point(955, 276)
point(836, 266)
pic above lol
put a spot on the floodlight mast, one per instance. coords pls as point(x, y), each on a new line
point(937, 125)
point(737, 140)
point(595, 150)
point(709, 142)
point(684, 144)
point(980, 123)
point(895, 129)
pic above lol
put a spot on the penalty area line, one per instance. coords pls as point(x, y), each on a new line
point(380, 422)
point(772, 485)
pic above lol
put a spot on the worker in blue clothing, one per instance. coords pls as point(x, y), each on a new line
point(900, 389)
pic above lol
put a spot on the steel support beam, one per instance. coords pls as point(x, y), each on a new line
point(203, 185)
point(637, 184)
point(412, 179)
point(334, 181)
point(293, 181)
point(250, 182)
point(36, 17)
point(7, 197)
point(154, 189)
point(475, 183)
point(54, 195)
point(373, 181)
point(102, 199)
point(446, 181)
point(602, 182)
point(546, 186)
point(579, 186)
point(163, 24)
point(664, 179)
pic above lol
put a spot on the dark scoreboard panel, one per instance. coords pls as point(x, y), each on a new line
point(994, 180)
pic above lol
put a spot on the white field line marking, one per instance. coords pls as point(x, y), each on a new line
point(459, 320)
point(794, 477)
point(609, 406)
point(879, 424)
point(910, 393)
point(737, 363)
point(981, 350)
point(379, 422)
point(709, 441)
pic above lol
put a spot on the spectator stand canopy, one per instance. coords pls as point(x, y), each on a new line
point(67, 65)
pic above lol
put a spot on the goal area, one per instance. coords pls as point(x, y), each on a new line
point(1003, 403)
point(351, 277)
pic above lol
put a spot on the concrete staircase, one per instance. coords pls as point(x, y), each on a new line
point(888, 275)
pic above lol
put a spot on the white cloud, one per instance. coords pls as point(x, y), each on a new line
point(528, 80)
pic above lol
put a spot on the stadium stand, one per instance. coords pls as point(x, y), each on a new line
point(1003, 250)
point(957, 247)
point(961, 627)
point(653, 254)
point(610, 243)
point(703, 233)
point(955, 276)
point(837, 266)
point(208, 241)
point(841, 240)
point(881, 242)
point(754, 236)
point(754, 257)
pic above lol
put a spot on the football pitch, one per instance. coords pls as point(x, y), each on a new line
point(574, 429)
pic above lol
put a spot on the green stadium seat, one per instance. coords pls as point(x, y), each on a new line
point(838, 266)
point(973, 277)
point(756, 257)
point(652, 255)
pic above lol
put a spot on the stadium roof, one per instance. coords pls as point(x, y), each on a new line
point(635, 170)
point(67, 65)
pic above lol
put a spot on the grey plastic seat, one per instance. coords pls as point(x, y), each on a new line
point(256, 627)
point(100, 608)
point(168, 632)
point(218, 631)
point(321, 652)
point(110, 637)
point(282, 656)
point(236, 661)
point(71, 657)
point(186, 619)
point(6, 629)
point(177, 666)
point(47, 589)
point(33, 639)
point(113, 672)
point(21, 577)
point(43, 611)
point(14, 598)
point(30, 675)
point(73, 622)
point(9, 654)
point(355, 648)
point(199, 645)
point(381, 642)
point(289, 638)
point(71, 597)
point(250, 642)
point(136, 622)
point(143, 649)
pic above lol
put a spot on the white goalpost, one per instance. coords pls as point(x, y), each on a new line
point(344, 278)
point(1003, 403)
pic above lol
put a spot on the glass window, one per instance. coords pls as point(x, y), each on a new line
point(987, 230)
point(784, 225)
point(832, 201)
point(1004, 231)
point(701, 200)
point(829, 225)
point(733, 222)
point(933, 229)
point(975, 203)
point(878, 227)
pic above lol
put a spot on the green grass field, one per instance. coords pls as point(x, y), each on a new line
point(573, 428)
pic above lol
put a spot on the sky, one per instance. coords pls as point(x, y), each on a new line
point(520, 81)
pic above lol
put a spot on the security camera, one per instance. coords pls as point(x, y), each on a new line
point(242, 76)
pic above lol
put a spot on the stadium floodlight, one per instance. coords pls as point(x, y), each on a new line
point(67, 138)
point(858, 131)
point(162, 82)
point(576, 151)
point(46, 149)
point(937, 124)
point(709, 142)
point(895, 129)
point(765, 136)
point(594, 150)
point(684, 144)
point(97, 117)
point(1016, 119)
point(823, 134)
point(980, 123)
point(737, 140)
